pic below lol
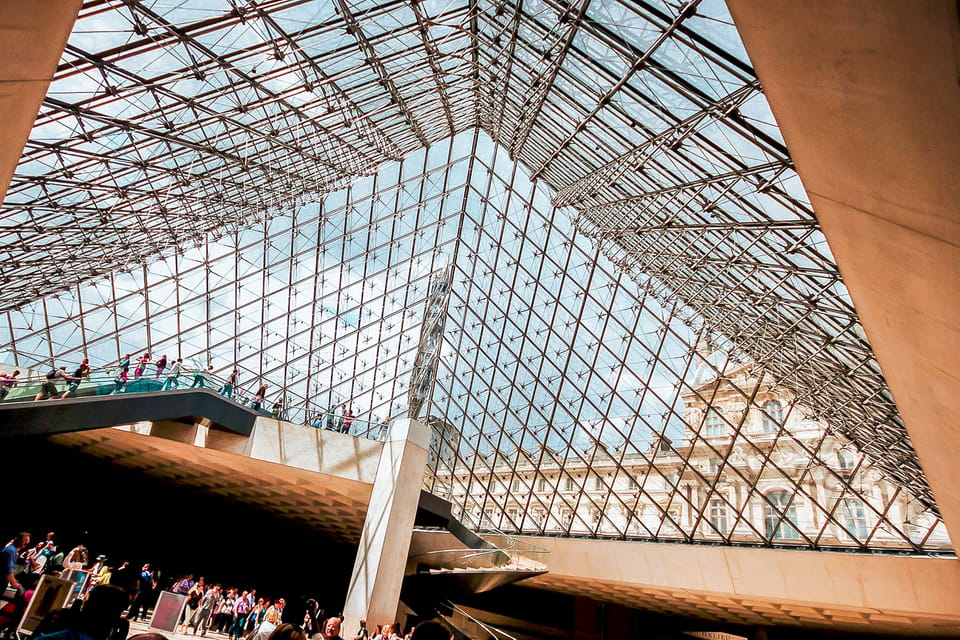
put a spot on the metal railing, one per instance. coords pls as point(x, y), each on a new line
point(493, 632)
point(101, 381)
point(505, 552)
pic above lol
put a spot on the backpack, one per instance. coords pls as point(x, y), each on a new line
point(52, 375)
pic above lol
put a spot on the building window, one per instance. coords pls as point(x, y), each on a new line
point(570, 485)
point(512, 515)
point(598, 483)
point(785, 529)
point(542, 484)
point(632, 482)
point(715, 464)
point(567, 517)
point(844, 459)
point(715, 424)
point(772, 416)
point(718, 517)
point(855, 518)
point(516, 484)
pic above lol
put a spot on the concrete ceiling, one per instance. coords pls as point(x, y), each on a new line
point(326, 503)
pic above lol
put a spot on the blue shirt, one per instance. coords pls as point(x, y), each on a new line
point(8, 560)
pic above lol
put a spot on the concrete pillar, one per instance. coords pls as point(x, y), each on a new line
point(374, 591)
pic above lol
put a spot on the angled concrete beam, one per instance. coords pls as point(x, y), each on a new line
point(374, 591)
point(867, 98)
point(32, 37)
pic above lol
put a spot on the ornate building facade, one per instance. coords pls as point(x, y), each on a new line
point(752, 464)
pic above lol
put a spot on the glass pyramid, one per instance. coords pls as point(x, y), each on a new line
point(645, 336)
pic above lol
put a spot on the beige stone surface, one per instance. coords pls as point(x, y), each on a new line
point(293, 471)
point(895, 594)
point(32, 37)
point(374, 591)
point(867, 99)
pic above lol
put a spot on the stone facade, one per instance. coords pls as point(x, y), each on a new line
point(770, 474)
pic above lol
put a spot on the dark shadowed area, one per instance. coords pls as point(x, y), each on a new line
point(131, 517)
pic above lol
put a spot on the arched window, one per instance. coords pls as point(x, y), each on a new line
point(714, 423)
point(772, 416)
point(780, 520)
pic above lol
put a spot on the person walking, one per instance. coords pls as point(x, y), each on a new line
point(8, 561)
point(199, 377)
point(81, 372)
point(161, 365)
point(173, 378)
point(205, 613)
point(142, 363)
point(191, 608)
point(120, 382)
point(7, 383)
point(227, 389)
point(49, 387)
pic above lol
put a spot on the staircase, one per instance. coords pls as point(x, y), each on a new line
point(451, 563)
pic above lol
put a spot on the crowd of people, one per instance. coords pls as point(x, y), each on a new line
point(173, 372)
point(114, 596)
point(339, 417)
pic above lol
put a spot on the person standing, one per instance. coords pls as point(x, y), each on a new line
point(141, 605)
point(8, 561)
point(331, 416)
point(338, 417)
point(183, 585)
point(126, 578)
point(362, 633)
point(347, 421)
point(258, 398)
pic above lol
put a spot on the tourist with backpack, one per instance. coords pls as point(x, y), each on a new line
point(49, 388)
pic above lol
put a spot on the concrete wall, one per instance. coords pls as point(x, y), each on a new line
point(867, 99)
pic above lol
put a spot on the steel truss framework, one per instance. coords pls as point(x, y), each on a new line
point(271, 183)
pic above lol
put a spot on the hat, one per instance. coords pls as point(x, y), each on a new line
point(101, 557)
